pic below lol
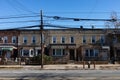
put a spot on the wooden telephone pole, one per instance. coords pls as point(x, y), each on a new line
point(41, 35)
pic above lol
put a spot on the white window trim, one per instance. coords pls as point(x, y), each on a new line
point(53, 39)
point(24, 39)
point(93, 52)
point(102, 37)
point(14, 37)
point(30, 53)
point(92, 39)
point(73, 40)
point(23, 53)
point(5, 38)
point(62, 38)
point(56, 53)
point(33, 39)
point(83, 39)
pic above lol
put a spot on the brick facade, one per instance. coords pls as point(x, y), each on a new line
point(63, 44)
point(8, 44)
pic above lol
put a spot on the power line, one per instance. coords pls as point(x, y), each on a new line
point(18, 17)
point(12, 6)
point(78, 19)
point(77, 12)
point(18, 28)
point(21, 21)
point(22, 7)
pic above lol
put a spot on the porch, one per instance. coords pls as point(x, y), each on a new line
point(8, 54)
point(63, 53)
point(95, 53)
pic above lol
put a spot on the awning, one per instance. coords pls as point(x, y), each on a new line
point(106, 47)
point(10, 48)
point(7, 48)
point(57, 47)
point(62, 46)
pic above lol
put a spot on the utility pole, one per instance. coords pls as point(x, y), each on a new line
point(41, 35)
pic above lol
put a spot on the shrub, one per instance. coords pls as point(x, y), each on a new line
point(37, 59)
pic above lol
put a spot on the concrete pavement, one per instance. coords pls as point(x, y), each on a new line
point(65, 67)
point(23, 74)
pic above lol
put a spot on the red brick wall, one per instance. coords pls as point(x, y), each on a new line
point(9, 34)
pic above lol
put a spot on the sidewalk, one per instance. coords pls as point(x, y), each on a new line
point(65, 67)
point(79, 66)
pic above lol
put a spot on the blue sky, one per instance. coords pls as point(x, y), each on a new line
point(93, 9)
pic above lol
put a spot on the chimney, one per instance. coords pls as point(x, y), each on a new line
point(92, 27)
point(81, 27)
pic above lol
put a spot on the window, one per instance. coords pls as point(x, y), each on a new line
point(25, 40)
point(14, 39)
point(93, 39)
point(114, 39)
point(54, 39)
point(91, 52)
point(33, 39)
point(86, 53)
point(63, 39)
point(63, 51)
point(0, 52)
point(32, 52)
point(38, 52)
point(102, 39)
point(25, 52)
point(1, 38)
point(5, 39)
point(96, 52)
point(84, 39)
point(72, 39)
point(58, 52)
point(53, 52)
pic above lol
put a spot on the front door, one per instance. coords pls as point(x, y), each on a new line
point(72, 54)
point(8, 54)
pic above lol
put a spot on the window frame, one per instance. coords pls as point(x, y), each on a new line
point(102, 39)
point(84, 39)
point(33, 40)
point(62, 39)
point(23, 54)
point(93, 38)
point(5, 39)
point(94, 52)
point(54, 52)
point(14, 38)
point(54, 39)
point(25, 40)
point(72, 39)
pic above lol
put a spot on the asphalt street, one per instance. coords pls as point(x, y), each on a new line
point(30, 74)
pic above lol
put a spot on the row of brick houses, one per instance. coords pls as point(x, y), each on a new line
point(62, 44)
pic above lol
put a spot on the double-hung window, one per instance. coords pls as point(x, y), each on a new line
point(72, 39)
point(5, 39)
point(91, 52)
point(62, 39)
point(54, 39)
point(93, 40)
point(25, 39)
point(33, 39)
point(14, 39)
point(58, 52)
point(84, 39)
point(25, 52)
point(102, 39)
